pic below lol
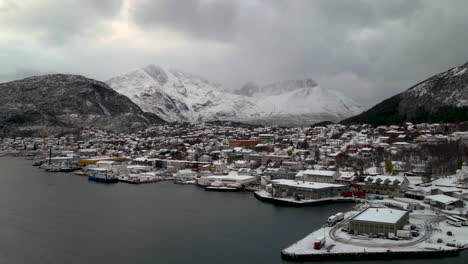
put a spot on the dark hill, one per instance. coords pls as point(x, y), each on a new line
point(441, 98)
point(59, 102)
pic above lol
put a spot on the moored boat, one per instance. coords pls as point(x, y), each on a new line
point(102, 175)
point(221, 187)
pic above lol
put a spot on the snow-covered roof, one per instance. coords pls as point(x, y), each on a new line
point(230, 177)
point(315, 172)
point(383, 178)
point(381, 215)
point(442, 198)
point(106, 162)
point(307, 185)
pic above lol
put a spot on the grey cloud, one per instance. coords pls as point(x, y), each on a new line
point(368, 49)
point(56, 21)
point(206, 19)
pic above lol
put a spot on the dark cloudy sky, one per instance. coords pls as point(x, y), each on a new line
point(368, 49)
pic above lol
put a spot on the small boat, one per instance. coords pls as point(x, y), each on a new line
point(69, 169)
point(79, 172)
point(53, 169)
point(38, 163)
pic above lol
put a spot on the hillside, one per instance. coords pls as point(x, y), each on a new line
point(441, 98)
point(176, 96)
point(58, 103)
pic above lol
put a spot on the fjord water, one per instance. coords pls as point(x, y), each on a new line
point(63, 218)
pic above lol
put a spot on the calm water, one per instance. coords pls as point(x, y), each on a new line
point(63, 218)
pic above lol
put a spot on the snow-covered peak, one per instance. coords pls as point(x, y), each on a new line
point(157, 73)
point(177, 96)
point(252, 88)
point(287, 86)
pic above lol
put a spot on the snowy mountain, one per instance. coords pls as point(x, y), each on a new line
point(297, 103)
point(441, 98)
point(177, 96)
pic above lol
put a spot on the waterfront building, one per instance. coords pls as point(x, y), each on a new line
point(318, 175)
point(308, 190)
point(377, 221)
point(232, 177)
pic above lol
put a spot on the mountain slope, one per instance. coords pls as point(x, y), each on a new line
point(441, 98)
point(177, 96)
point(298, 103)
point(57, 103)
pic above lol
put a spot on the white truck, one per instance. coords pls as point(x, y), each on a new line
point(403, 234)
point(335, 218)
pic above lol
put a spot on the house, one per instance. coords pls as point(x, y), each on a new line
point(347, 178)
point(399, 166)
point(383, 184)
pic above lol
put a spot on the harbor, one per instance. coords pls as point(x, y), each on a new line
point(383, 211)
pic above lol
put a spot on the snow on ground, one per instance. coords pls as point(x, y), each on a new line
point(414, 180)
point(346, 243)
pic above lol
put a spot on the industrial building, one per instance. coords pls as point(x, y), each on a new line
point(444, 202)
point(378, 221)
point(318, 175)
point(308, 190)
point(232, 177)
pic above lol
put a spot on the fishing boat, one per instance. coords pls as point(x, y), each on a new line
point(221, 187)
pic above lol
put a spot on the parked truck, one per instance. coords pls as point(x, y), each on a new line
point(319, 242)
point(339, 216)
point(404, 234)
point(335, 218)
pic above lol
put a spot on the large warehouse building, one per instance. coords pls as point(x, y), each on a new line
point(309, 190)
point(379, 221)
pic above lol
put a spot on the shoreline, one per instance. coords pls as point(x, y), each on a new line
point(264, 197)
point(389, 254)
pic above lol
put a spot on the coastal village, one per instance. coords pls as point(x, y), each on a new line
point(409, 183)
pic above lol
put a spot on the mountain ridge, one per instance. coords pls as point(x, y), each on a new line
point(440, 98)
point(188, 98)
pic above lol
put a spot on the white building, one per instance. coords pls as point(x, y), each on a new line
point(318, 175)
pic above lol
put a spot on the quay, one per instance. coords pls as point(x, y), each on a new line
point(266, 197)
point(388, 254)
point(337, 244)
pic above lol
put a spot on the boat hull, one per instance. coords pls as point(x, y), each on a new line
point(222, 189)
point(101, 180)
